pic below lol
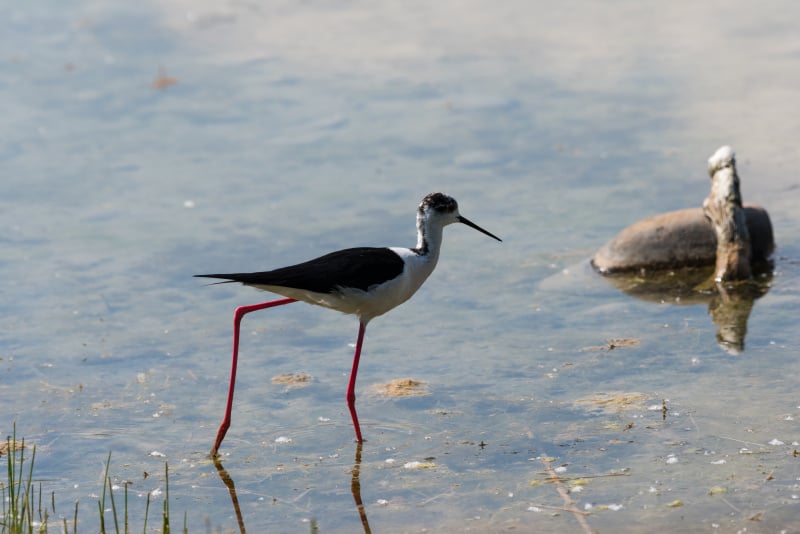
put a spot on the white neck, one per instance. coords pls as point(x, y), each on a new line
point(429, 238)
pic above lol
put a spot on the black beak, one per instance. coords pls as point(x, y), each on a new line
point(471, 224)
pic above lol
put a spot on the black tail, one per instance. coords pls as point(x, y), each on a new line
point(226, 278)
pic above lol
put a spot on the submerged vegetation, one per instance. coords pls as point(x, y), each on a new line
point(25, 510)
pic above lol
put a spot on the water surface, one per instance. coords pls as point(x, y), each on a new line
point(297, 129)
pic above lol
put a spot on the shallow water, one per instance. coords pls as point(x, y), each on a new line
point(296, 129)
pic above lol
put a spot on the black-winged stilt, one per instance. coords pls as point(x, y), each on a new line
point(366, 282)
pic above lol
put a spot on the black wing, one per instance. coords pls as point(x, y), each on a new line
point(358, 268)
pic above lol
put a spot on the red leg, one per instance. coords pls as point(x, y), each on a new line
point(351, 386)
point(240, 312)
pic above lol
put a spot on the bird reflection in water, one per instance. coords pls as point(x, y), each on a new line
point(355, 489)
point(228, 481)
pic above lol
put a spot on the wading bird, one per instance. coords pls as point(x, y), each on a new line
point(365, 281)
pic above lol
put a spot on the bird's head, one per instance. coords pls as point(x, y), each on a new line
point(441, 209)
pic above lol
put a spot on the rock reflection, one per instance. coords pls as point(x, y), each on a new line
point(729, 303)
point(729, 308)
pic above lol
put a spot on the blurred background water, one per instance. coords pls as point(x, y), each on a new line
point(143, 143)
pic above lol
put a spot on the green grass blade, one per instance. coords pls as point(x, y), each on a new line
point(127, 528)
point(27, 501)
point(113, 504)
point(166, 499)
point(146, 513)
